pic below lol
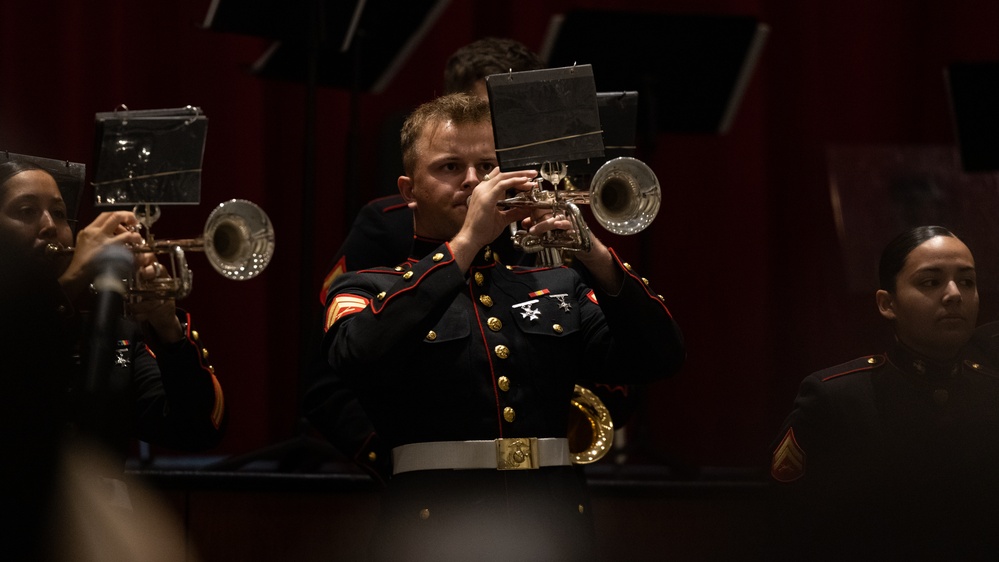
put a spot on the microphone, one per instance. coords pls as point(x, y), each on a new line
point(112, 266)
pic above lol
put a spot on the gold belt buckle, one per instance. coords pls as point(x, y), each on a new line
point(517, 453)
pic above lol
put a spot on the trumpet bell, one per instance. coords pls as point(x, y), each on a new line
point(238, 239)
point(625, 195)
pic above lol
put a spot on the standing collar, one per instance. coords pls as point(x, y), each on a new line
point(909, 361)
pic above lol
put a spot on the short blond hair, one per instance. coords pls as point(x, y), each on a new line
point(459, 108)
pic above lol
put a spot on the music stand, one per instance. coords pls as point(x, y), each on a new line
point(618, 120)
point(973, 93)
point(689, 70)
point(397, 37)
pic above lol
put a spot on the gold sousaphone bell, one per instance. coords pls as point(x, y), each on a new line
point(591, 430)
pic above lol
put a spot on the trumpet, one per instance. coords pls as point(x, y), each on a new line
point(238, 240)
point(624, 196)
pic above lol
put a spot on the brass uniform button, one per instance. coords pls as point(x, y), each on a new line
point(871, 361)
point(372, 456)
point(424, 514)
point(204, 353)
point(557, 328)
point(488, 254)
point(644, 280)
point(495, 324)
point(510, 267)
point(502, 351)
point(581, 509)
point(503, 383)
point(194, 335)
point(627, 266)
point(438, 256)
point(211, 369)
point(431, 335)
point(486, 300)
point(509, 415)
point(407, 275)
point(398, 268)
point(479, 278)
point(380, 296)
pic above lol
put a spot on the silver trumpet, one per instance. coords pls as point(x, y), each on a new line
point(238, 240)
point(624, 196)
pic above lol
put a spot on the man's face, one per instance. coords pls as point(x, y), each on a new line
point(32, 213)
point(451, 160)
point(935, 303)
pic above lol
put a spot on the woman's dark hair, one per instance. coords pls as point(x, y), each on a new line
point(14, 167)
point(895, 253)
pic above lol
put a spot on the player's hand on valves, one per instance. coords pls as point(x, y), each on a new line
point(485, 219)
point(158, 313)
point(111, 227)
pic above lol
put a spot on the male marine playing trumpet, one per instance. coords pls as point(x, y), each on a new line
point(465, 365)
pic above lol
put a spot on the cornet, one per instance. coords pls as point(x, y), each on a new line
point(238, 241)
point(624, 196)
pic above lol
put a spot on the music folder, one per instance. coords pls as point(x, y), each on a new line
point(151, 156)
point(547, 115)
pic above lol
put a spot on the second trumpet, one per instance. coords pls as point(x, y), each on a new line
point(238, 240)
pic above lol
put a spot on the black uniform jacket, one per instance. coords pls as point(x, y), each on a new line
point(893, 455)
point(177, 400)
point(437, 355)
point(381, 235)
point(164, 394)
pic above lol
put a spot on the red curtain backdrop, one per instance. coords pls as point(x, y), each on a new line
point(744, 249)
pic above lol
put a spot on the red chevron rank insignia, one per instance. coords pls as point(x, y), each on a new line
point(344, 305)
point(339, 269)
point(789, 459)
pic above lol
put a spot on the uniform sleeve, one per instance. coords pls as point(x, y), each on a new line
point(371, 316)
point(630, 335)
point(819, 470)
point(179, 401)
point(332, 407)
point(794, 506)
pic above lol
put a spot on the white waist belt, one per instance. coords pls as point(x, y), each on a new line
point(511, 453)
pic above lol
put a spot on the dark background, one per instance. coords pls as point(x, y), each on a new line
point(746, 248)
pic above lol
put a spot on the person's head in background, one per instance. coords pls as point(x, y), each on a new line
point(929, 291)
point(466, 69)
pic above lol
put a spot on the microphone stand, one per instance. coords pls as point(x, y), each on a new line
point(103, 392)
